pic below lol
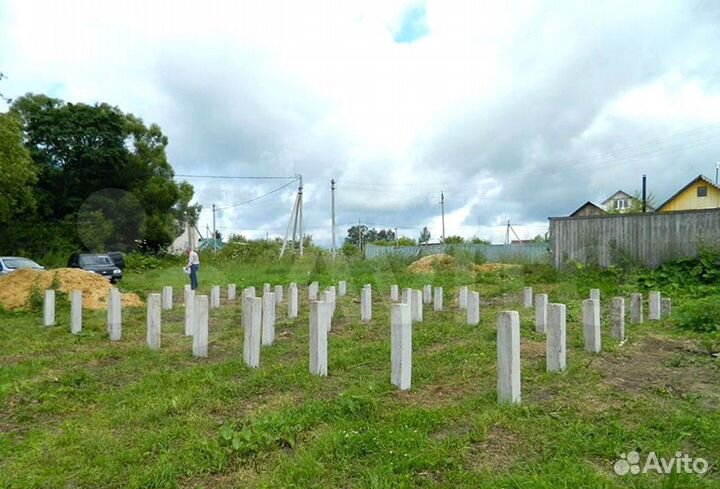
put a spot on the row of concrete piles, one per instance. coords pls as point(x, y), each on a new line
point(258, 319)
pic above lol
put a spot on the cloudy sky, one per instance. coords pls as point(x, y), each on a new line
point(516, 110)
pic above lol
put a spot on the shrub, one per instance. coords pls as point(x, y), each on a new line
point(700, 315)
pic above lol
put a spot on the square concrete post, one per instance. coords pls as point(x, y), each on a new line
point(416, 307)
point(407, 298)
point(473, 308)
point(366, 303)
point(394, 293)
point(319, 327)
point(200, 321)
point(541, 304)
point(278, 294)
point(401, 346)
point(438, 299)
point(508, 357)
point(333, 296)
point(189, 312)
point(313, 290)
point(293, 302)
point(49, 308)
point(636, 308)
point(556, 338)
point(654, 306)
point(527, 297)
point(617, 318)
point(427, 294)
point(591, 325)
point(231, 292)
point(252, 326)
point(342, 288)
point(187, 287)
point(462, 297)
point(248, 292)
point(266, 288)
point(76, 312)
point(666, 307)
point(153, 321)
point(595, 294)
point(115, 314)
point(268, 319)
point(167, 298)
point(326, 297)
point(215, 297)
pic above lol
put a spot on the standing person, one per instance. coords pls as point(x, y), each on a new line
point(193, 265)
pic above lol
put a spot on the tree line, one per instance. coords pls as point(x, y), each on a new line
point(86, 177)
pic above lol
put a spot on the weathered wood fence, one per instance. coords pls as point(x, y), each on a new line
point(648, 239)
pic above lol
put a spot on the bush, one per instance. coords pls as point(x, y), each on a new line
point(700, 315)
point(139, 262)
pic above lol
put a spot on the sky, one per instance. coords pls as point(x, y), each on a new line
point(516, 110)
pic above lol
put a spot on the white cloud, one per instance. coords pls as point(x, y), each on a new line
point(515, 109)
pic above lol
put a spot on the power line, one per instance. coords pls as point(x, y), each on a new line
point(235, 177)
point(257, 198)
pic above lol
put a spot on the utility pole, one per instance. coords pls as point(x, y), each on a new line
point(293, 222)
point(332, 194)
point(644, 193)
point(717, 168)
point(214, 231)
point(300, 210)
point(442, 206)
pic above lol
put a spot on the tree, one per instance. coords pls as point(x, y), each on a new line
point(354, 234)
point(454, 240)
point(424, 236)
point(17, 170)
point(405, 241)
point(476, 240)
point(81, 150)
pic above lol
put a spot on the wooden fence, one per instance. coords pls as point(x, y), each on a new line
point(648, 239)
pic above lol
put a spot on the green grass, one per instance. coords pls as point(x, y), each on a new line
point(80, 411)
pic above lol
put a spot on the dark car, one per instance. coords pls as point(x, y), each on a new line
point(117, 258)
point(97, 263)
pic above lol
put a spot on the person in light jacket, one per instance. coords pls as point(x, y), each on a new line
point(193, 265)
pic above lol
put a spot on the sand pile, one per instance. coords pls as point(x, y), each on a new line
point(496, 267)
point(15, 287)
point(432, 263)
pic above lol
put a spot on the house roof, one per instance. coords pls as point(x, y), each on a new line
point(622, 192)
point(589, 204)
point(692, 182)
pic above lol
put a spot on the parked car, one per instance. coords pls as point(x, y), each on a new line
point(117, 258)
point(96, 263)
point(11, 263)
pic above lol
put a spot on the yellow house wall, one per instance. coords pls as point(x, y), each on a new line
point(689, 200)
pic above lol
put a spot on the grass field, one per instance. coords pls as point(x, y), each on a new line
point(82, 412)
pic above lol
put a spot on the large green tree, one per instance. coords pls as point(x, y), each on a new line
point(17, 170)
point(97, 164)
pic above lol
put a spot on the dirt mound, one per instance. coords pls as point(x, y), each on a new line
point(496, 267)
point(15, 287)
point(432, 263)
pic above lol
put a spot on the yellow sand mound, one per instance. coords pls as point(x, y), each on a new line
point(431, 263)
point(15, 287)
point(496, 267)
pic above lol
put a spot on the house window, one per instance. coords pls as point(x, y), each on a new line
point(621, 204)
point(702, 191)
